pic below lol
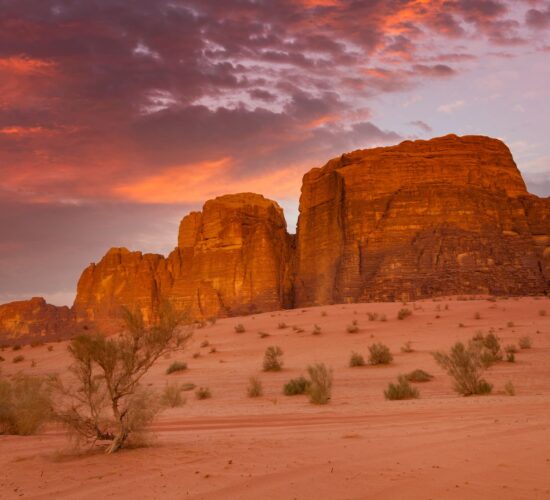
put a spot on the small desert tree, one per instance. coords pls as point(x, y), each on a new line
point(107, 401)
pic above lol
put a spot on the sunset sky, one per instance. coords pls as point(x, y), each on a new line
point(117, 117)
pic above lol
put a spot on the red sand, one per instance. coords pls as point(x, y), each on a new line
point(358, 446)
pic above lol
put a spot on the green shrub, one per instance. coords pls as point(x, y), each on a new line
point(404, 313)
point(525, 343)
point(402, 390)
point(176, 366)
point(255, 388)
point(171, 395)
point(296, 386)
point(203, 393)
point(380, 354)
point(320, 389)
point(465, 367)
point(418, 376)
point(356, 359)
point(18, 359)
point(272, 359)
point(240, 328)
point(25, 405)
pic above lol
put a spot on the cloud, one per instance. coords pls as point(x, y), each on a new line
point(421, 125)
point(451, 107)
point(538, 19)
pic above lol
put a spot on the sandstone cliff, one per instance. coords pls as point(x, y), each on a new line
point(441, 217)
point(34, 319)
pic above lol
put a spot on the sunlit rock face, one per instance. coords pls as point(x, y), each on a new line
point(34, 320)
point(425, 218)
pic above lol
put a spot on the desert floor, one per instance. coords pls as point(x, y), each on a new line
point(358, 446)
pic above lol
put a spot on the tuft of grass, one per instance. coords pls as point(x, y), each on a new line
point(401, 390)
point(383, 317)
point(403, 313)
point(255, 388)
point(176, 366)
point(525, 342)
point(296, 386)
point(407, 347)
point(320, 389)
point(18, 359)
point(272, 359)
point(418, 376)
point(203, 393)
point(240, 328)
point(380, 354)
point(372, 316)
point(356, 359)
point(509, 388)
point(205, 343)
point(352, 328)
point(263, 335)
point(316, 330)
point(16, 347)
point(282, 325)
point(50, 348)
point(171, 395)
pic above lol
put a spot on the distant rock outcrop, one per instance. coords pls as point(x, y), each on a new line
point(426, 218)
point(34, 320)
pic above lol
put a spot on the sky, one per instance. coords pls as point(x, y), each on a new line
point(117, 117)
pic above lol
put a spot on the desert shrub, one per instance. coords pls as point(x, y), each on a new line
point(402, 390)
point(205, 343)
point(282, 325)
point(461, 325)
point(36, 343)
point(465, 367)
point(542, 312)
point(105, 400)
point(255, 388)
point(50, 348)
point(296, 386)
point(203, 393)
point(510, 324)
point(525, 343)
point(418, 376)
point(380, 354)
point(16, 347)
point(477, 315)
point(212, 320)
point(511, 348)
point(171, 395)
point(240, 328)
point(352, 328)
point(406, 347)
point(383, 317)
point(372, 316)
point(316, 330)
point(488, 347)
point(324, 313)
point(2, 359)
point(320, 388)
point(356, 359)
point(25, 405)
point(196, 355)
point(263, 335)
point(213, 349)
point(18, 359)
point(176, 366)
point(509, 388)
point(404, 313)
point(272, 359)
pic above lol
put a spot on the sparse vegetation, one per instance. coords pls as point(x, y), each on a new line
point(176, 366)
point(525, 342)
point(272, 359)
point(352, 328)
point(488, 347)
point(240, 328)
point(205, 343)
point(356, 359)
point(18, 359)
point(316, 330)
point(403, 313)
point(465, 367)
point(25, 405)
point(401, 390)
point(509, 388)
point(263, 335)
point(380, 354)
point(255, 388)
point(383, 317)
point(477, 315)
point(171, 395)
point(16, 347)
point(372, 316)
point(542, 312)
point(320, 388)
point(282, 325)
point(418, 376)
point(296, 386)
point(407, 347)
point(510, 324)
point(203, 393)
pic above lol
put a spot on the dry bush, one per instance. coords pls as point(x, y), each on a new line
point(509, 388)
point(352, 328)
point(488, 347)
point(404, 313)
point(263, 335)
point(356, 359)
point(372, 316)
point(104, 399)
point(240, 328)
point(418, 376)
point(402, 390)
point(296, 386)
point(176, 366)
point(525, 343)
point(316, 330)
point(272, 359)
point(320, 388)
point(465, 366)
point(203, 393)
point(380, 354)
point(25, 405)
point(255, 387)
point(407, 347)
point(282, 325)
point(172, 395)
point(18, 359)
point(542, 312)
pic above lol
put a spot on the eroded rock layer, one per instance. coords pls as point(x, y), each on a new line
point(440, 217)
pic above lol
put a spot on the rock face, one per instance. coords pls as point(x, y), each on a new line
point(440, 217)
point(234, 257)
point(34, 319)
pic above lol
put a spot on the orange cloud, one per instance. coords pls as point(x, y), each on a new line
point(24, 65)
point(198, 182)
point(21, 130)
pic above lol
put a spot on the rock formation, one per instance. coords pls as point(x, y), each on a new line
point(33, 320)
point(446, 216)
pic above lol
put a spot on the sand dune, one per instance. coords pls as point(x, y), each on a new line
point(358, 446)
